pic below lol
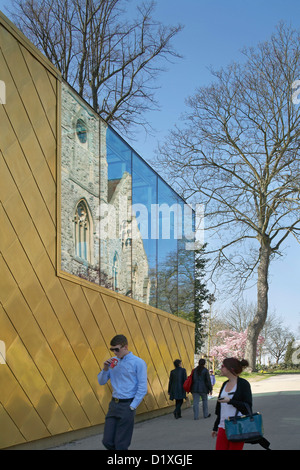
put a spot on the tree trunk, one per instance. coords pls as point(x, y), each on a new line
point(258, 321)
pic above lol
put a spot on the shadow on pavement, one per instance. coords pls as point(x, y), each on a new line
point(281, 420)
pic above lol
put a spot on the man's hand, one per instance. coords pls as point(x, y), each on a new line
point(107, 364)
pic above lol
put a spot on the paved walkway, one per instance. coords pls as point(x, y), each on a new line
point(277, 398)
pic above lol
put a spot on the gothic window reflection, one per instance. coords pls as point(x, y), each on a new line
point(115, 272)
point(81, 131)
point(82, 226)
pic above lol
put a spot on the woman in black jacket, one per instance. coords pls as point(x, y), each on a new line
point(176, 391)
point(234, 393)
point(201, 386)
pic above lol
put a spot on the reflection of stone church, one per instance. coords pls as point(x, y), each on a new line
point(97, 224)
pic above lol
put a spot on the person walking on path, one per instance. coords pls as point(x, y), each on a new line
point(175, 389)
point(128, 376)
point(201, 386)
point(212, 380)
point(234, 393)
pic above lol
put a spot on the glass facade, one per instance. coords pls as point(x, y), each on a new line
point(154, 226)
point(122, 226)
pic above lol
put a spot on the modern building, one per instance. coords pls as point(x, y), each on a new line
point(122, 226)
point(93, 243)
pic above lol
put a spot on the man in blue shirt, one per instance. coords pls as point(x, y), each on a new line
point(128, 377)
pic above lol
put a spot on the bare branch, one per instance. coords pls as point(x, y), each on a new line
point(112, 62)
point(238, 152)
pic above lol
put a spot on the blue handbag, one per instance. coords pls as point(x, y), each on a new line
point(246, 428)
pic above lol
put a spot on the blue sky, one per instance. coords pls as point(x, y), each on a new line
point(214, 34)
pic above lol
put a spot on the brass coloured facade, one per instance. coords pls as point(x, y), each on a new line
point(56, 327)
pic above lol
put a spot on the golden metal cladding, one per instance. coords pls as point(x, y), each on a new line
point(56, 327)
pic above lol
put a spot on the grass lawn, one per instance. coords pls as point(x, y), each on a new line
point(251, 377)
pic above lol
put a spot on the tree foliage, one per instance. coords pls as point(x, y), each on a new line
point(182, 289)
point(202, 297)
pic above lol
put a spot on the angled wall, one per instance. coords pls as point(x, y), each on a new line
point(55, 328)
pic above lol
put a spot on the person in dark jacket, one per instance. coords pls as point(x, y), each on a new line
point(175, 389)
point(234, 393)
point(201, 386)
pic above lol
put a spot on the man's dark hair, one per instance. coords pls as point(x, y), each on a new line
point(119, 339)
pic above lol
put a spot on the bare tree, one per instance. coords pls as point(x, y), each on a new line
point(277, 342)
point(239, 152)
point(239, 315)
point(112, 62)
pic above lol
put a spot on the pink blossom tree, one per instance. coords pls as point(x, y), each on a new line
point(232, 344)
